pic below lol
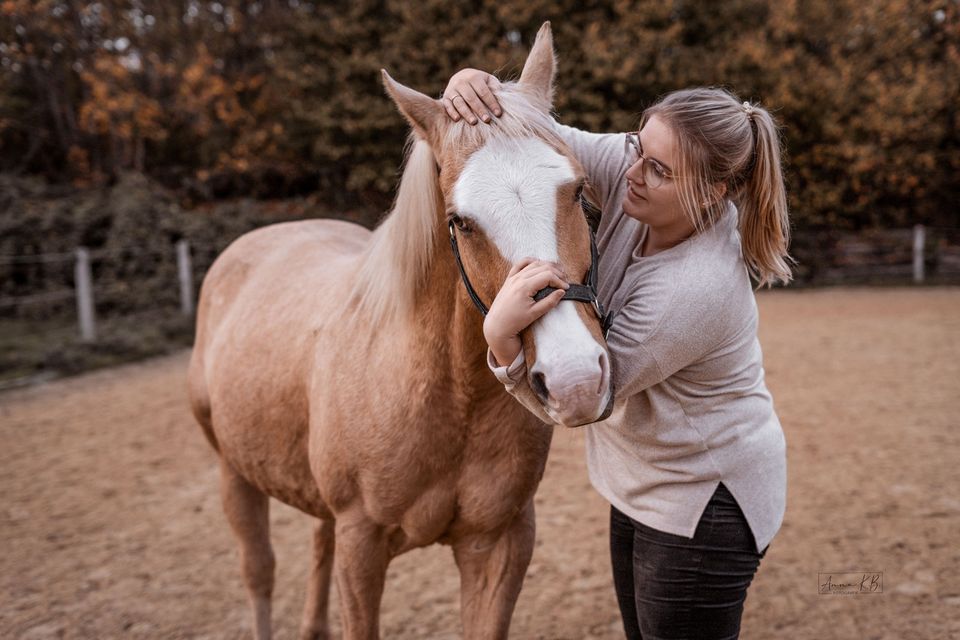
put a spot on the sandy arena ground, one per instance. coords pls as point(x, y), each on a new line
point(111, 526)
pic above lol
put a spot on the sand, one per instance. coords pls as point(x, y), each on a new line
point(111, 526)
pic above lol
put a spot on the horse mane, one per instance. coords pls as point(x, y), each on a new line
point(395, 264)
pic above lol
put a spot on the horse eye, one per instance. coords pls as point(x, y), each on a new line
point(460, 223)
point(579, 194)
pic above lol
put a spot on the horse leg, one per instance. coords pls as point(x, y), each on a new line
point(314, 625)
point(492, 569)
point(248, 511)
point(361, 570)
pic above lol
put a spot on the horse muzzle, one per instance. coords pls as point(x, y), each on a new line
point(575, 396)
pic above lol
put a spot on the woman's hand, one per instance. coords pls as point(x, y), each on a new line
point(469, 95)
point(514, 308)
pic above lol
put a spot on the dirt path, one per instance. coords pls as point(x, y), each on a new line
point(110, 520)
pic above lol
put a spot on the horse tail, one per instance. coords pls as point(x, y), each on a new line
point(199, 398)
point(196, 374)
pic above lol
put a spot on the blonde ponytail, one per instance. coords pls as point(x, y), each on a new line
point(762, 200)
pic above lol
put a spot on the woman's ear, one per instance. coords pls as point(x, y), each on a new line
point(719, 190)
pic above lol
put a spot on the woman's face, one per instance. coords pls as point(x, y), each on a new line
point(659, 206)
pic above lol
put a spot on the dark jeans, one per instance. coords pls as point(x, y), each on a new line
point(669, 586)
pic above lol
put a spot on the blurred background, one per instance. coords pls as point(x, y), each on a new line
point(128, 126)
point(138, 138)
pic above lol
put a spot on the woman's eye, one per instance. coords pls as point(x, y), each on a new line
point(659, 170)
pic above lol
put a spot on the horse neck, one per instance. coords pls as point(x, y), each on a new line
point(447, 334)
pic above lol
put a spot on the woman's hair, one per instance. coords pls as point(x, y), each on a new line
point(722, 140)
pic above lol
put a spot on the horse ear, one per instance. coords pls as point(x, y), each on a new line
point(541, 65)
point(424, 114)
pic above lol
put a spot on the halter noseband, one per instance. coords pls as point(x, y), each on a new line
point(579, 292)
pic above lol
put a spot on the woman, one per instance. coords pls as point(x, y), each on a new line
point(693, 458)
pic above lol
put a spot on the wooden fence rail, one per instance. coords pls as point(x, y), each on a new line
point(83, 289)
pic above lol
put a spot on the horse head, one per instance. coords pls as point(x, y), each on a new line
point(513, 189)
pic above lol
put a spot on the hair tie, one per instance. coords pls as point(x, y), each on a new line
point(751, 164)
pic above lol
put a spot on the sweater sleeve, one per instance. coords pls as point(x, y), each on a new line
point(603, 156)
point(514, 379)
point(648, 345)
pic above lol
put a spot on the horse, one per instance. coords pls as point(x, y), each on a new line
point(344, 372)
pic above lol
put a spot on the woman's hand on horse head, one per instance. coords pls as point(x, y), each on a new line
point(469, 95)
point(514, 308)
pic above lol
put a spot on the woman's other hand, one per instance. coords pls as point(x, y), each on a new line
point(469, 95)
point(514, 308)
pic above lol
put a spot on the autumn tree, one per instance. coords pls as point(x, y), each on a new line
point(272, 98)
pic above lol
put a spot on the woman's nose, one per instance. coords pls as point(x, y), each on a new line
point(635, 172)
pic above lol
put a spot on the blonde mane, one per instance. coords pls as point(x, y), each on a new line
point(394, 266)
point(396, 261)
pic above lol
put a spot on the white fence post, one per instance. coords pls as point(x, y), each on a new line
point(919, 238)
point(185, 272)
point(84, 287)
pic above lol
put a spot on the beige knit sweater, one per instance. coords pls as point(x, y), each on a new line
point(691, 406)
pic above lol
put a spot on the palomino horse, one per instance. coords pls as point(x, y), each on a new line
point(344, 372)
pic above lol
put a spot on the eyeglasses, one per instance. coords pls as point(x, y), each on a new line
point(654, 173)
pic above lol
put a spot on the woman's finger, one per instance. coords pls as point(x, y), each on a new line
point(475, 104)
point(536, 272)
point(463, 108)
point(543, 279)
point(523, 279)
point(546, 304)
point(520, 265)
point(527, 267)
point(536, 263)
point(450, 109)
point(482, 89)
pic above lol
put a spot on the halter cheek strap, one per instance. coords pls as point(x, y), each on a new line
point(477, 302)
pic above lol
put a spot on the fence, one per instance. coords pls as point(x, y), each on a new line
point(922, 254)
point(83, 290)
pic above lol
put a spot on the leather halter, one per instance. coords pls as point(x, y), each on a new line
point(580, 292)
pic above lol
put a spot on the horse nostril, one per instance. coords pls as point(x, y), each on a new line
point(539, 384)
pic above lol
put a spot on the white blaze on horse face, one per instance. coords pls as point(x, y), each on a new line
point(509, 190)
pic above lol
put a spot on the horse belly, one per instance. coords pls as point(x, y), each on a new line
point(261, 428)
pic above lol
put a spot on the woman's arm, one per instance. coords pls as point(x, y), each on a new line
point(603, 157)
